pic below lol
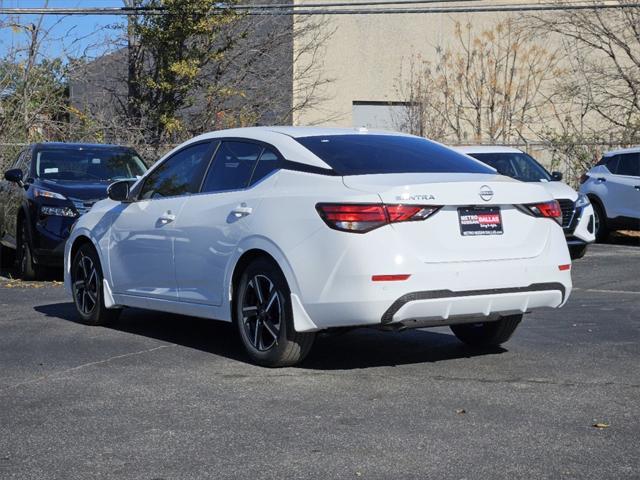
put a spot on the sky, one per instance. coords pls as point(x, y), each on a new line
point(69, 36)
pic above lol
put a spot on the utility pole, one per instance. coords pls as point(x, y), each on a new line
point(133, 54)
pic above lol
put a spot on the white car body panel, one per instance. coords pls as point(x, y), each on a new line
point(453, 278)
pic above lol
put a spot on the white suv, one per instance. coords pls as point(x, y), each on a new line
point(577, 213)
point(613, 186)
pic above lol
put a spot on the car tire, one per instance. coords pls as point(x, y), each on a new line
point(601, 230)
point(264, 318)
point(7, 258)
point(87, 288)
point(487, 334)
point(577, 251)
point(27, 269)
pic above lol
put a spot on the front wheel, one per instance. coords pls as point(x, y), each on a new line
point(264, 317)
point(86, 284)
point(487, 334)
point(7, 258)
point(27, 269)
point(600, 223)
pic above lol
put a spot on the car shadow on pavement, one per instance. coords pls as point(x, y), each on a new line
point(357, 348)
point(630, 239)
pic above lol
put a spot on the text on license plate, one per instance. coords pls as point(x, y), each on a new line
point(480, 221)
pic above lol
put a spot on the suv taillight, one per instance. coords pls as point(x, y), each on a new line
point(584, 178)
point(547, 209)
point(362, 218)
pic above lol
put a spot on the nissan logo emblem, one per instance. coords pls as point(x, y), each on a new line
point(486, 193)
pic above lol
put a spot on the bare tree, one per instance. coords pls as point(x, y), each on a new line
point(602, 50)
point(33, 96)
point(487, 86)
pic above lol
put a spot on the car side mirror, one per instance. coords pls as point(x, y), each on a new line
point(14, 175)
point(119, 191)
point(556, 176)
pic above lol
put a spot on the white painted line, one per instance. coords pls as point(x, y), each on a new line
point(595, 290)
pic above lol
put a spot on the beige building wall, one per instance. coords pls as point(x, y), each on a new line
point(365, 55)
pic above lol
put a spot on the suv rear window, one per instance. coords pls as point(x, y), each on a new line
point(370, 154)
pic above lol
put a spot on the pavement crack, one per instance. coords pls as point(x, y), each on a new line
point(85, 365)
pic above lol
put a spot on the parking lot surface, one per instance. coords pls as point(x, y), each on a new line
point(159, 396)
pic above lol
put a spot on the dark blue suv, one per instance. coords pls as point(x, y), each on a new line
point(49, 186)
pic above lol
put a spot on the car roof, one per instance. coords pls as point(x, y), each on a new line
point(78, 146)
point(486, 149)
point(622, 150)
point(299, 132)
point(283, 138)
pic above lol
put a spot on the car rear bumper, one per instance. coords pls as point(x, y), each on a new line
point(435, 293)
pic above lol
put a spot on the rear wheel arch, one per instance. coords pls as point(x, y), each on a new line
point(243, 262)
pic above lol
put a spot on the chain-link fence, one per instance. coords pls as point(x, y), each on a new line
point(571, 159)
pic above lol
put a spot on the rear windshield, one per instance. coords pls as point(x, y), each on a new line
point(367, 154)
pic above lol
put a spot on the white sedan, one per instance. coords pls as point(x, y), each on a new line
point(288, 231)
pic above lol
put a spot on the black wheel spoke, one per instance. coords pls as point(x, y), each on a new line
point(258, 289)
point(257, 339)
point(269, 327)
point(271, 301)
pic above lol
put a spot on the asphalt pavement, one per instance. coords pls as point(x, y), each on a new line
point(159, 396)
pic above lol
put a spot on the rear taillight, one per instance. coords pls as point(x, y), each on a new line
point(361, 218)
point(584, 178)
point(547, 209)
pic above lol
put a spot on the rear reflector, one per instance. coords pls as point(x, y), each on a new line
point(584, 178)
point(547, 209)
point(564, 267)
point(389, 278)
point(361, 218)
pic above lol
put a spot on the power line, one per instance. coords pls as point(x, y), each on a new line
point(327, 8)
point(160, 10)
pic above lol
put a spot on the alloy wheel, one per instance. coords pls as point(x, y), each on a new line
point(85, 285)
point(596, 220)
point(262, 313)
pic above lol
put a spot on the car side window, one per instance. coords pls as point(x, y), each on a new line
point(232, 166)
point(612, 164)
point(181, 174)
point(20, 163)
point(268, 162)
point(629, 164)
point(26, 164)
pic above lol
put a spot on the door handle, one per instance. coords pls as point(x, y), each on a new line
point(242, 211)
point(637, 187)
point(166, 218)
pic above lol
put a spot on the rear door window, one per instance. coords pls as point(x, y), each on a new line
point(232, 166)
